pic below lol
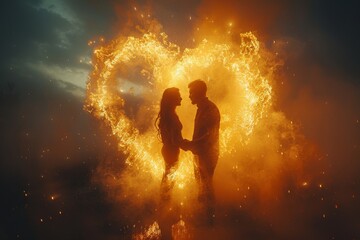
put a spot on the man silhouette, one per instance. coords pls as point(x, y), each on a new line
point(205, 143)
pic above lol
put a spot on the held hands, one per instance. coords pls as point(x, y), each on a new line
point(186, 145)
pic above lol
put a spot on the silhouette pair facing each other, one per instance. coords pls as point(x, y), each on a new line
point(204, 144)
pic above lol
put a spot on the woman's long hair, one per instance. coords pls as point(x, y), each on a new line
point(166, 109)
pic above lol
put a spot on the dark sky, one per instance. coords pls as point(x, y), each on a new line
point(55, 33)
point(44, 65)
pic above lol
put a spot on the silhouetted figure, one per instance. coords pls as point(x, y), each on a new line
point(169, 127)
point(205, 144)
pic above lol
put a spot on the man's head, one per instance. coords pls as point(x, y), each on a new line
point(197, 91)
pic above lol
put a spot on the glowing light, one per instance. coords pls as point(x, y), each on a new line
point(152, 232)
point(179, 231)
point(164, 65)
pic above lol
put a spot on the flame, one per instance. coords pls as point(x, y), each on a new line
point(142, 67)
point(153, 232)
point(179, 231)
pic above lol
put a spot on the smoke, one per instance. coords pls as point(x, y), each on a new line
point(314, 126)
point(276, 174)
point(263, 152)
point(294, 177)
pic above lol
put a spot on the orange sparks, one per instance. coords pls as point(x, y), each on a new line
point(251, 98)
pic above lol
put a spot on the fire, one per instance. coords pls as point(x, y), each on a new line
point(153, 232)
point(179, 231)
point(142, 67)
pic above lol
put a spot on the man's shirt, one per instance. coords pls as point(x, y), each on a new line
point(206, 129)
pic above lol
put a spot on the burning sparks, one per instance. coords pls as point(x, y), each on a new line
point(153, 232)
point(238, 78)
point(164, 66)
point(179, 231)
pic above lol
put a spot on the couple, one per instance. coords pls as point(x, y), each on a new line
point(204, 144)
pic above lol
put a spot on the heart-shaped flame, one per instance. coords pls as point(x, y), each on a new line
point(138, 69)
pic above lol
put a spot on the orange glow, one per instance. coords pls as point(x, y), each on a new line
point(152, 232)
point(256, 141)
point(164, 66)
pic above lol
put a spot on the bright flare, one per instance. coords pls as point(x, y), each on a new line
point(142, 67)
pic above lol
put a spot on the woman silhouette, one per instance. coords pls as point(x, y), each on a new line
point(169, 128)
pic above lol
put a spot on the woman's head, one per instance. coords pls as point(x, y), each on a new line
point(170, 99)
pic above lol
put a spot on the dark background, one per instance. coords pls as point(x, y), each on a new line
point(50, 147)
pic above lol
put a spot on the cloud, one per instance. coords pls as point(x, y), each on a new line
point(47, 36)
point(76, 77)
point(27, 29)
